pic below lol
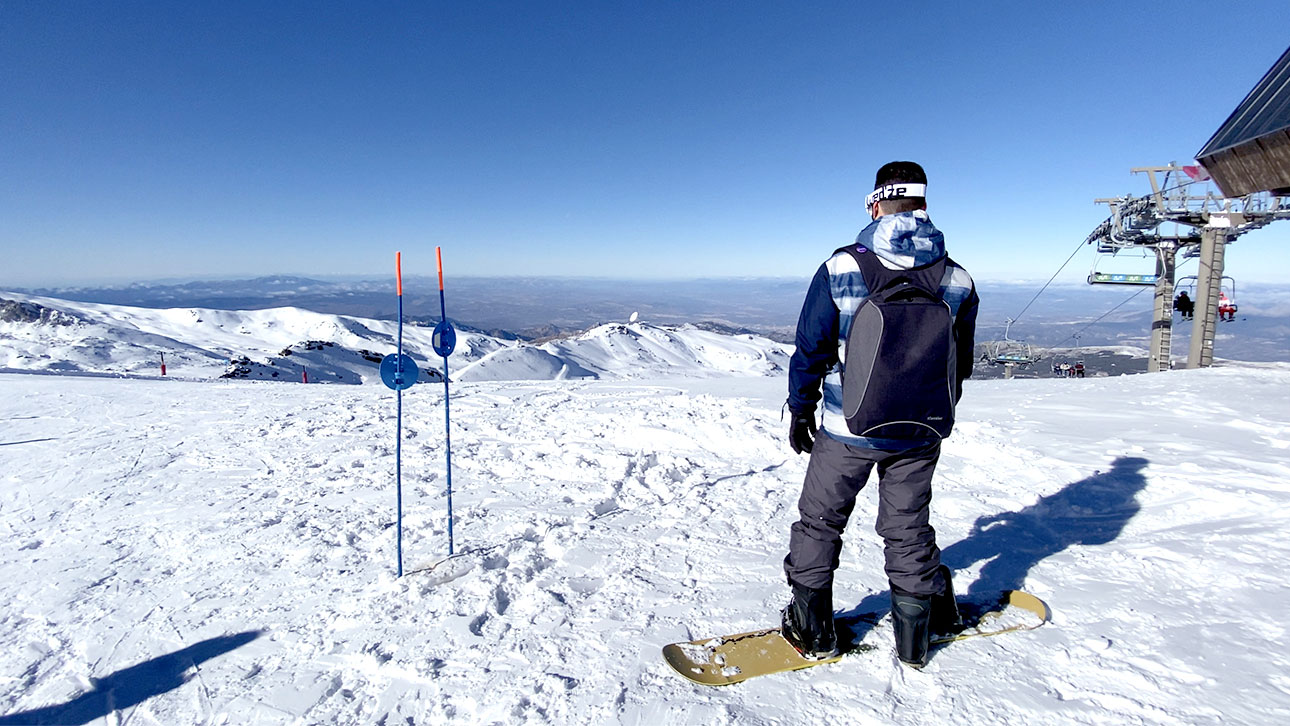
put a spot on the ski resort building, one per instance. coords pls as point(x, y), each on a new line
point(1250, 152)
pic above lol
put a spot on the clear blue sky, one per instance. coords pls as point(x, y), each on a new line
point(141, 140)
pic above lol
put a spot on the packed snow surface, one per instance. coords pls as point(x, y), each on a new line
point(224, 552)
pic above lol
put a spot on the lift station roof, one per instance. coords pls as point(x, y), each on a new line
point(1250, 152)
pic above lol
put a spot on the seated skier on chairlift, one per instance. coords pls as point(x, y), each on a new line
point(1226, 308)
point(1184, 305)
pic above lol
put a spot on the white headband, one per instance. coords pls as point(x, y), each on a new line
point(899, 190)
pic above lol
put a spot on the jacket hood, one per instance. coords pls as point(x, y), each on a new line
point(904, 240)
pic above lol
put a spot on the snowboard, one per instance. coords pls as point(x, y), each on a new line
point(728, 659)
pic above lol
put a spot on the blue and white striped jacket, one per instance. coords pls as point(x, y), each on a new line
point(901, 241)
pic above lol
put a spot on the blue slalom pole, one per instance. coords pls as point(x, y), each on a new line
point(445, 339)
point(398, 371)
point(398, 441)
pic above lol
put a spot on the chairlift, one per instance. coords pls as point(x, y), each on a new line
point(1104, 277)
point(1069, 363)
point(1065, 357)
point(1226, 302)
point(1011, 352)
point(1008, 351)
point(1188, 285)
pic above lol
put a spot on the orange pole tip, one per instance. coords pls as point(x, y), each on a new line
point(398, 271)
point(438, 254)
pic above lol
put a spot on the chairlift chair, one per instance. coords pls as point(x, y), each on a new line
point(1013, 352)
point(1010, 352)
point(1103, 277)
point(1188, 285)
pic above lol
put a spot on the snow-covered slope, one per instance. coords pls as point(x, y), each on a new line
point(646, 351)
point(46, 334)
point(521, 363)
point(204, 343)
point(224, 552)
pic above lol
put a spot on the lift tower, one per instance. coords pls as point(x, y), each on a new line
point(1180, 196)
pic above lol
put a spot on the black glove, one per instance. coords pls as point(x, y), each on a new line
point(801, 434)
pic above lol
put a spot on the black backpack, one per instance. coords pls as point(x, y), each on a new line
point(900, 371)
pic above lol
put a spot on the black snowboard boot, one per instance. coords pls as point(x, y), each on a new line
point(911, 616)
point(808, 623)
point(945, 610)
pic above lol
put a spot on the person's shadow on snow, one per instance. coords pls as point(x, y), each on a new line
point(1091, 511)
point(134, 685)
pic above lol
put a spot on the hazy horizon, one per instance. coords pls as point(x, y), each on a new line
point(539, 306)
point(122, 283)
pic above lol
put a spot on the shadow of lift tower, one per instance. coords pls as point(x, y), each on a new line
point(1248, 159)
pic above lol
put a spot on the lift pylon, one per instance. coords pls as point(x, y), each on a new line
point(1213, 222)
point(1209, 280)
point(1163, 320)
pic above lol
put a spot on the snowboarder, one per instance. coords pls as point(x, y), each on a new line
point(1184, 305)
point(905, 242)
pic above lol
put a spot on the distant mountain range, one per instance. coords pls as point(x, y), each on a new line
point(287, 343)
point(540, 309)
point(509, 307)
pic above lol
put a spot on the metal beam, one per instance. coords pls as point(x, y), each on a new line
point(1209, 280)
point(1163, 321)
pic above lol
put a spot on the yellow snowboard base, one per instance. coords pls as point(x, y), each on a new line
point(729, 659)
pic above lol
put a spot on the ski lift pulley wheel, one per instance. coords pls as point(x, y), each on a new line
point(399, 372)
point(444, 339)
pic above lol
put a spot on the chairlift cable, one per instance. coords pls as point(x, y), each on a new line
point(1078, 247)
point(1017, 317)
point(1079, 332)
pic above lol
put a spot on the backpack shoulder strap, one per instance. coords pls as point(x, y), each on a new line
point(878, 277)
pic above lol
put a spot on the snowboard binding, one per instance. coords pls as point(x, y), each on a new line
point(807, 623)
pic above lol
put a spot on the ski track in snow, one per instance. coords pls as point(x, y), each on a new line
point(598, 521)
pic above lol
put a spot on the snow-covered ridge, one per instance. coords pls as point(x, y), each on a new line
point(52, 335)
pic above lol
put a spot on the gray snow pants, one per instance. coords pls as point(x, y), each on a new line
point(835, 475)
